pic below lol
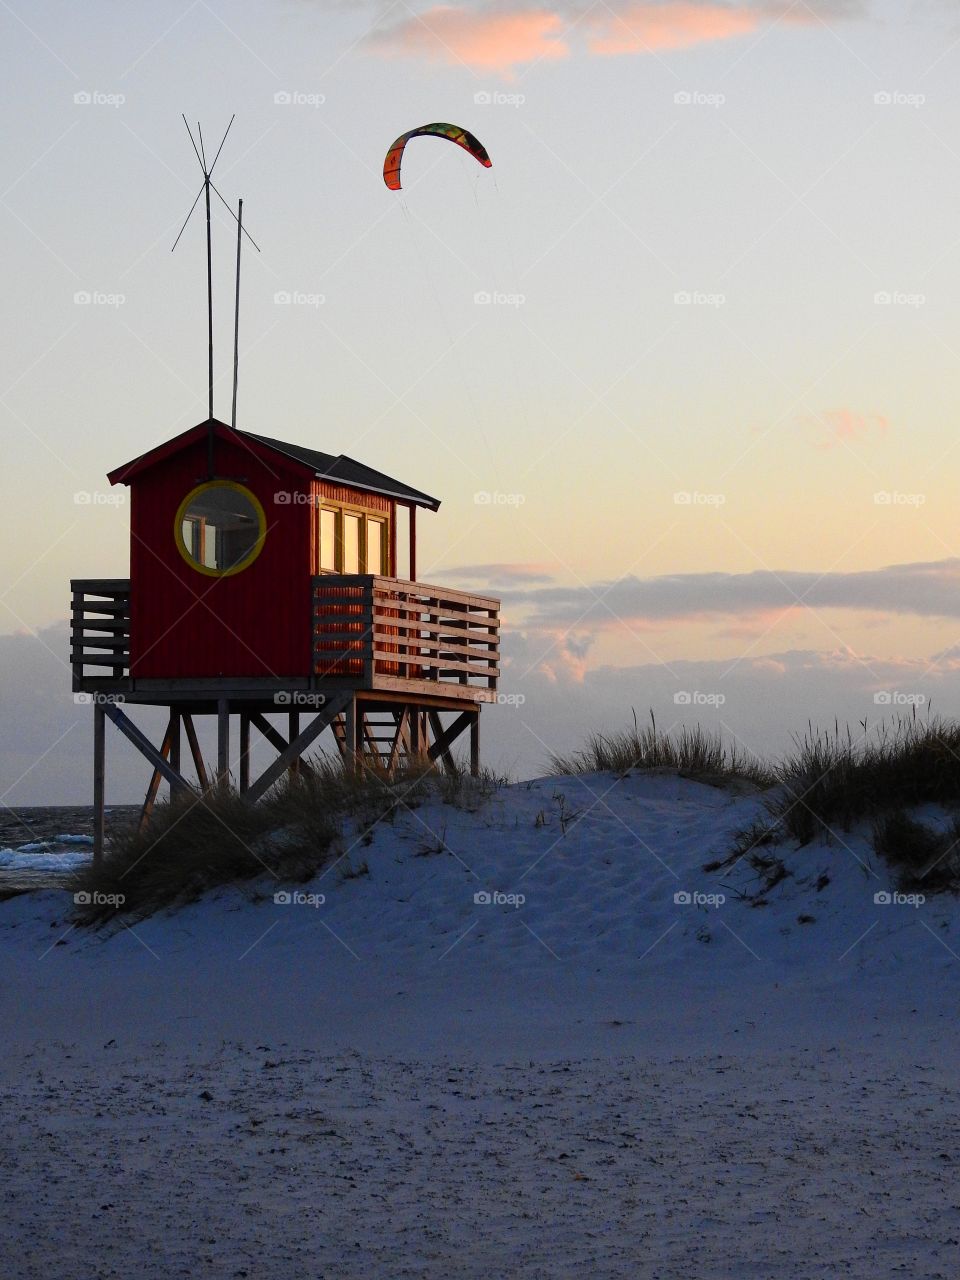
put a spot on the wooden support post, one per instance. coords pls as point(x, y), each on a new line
point(443, 739)
point(293, 731)
point(299, 745)
point(175, 749)
point(195, 752)
point(475, 746)
point(142, 743)
point(401, 739)
point(413, 543)
point(350, 735)
point(99, 778)
point(223, 743)
point(151, 796)
point(244, 751)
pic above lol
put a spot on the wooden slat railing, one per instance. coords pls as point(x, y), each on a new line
point(100, 626)
point(380, 630)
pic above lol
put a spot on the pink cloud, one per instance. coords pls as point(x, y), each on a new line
point(495, 41)
point(838, 426)
point(645, 28)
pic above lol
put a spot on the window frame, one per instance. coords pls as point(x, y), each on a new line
point(365, 515)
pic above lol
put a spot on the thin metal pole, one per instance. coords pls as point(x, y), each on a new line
point(236, 317)
point(206, 187)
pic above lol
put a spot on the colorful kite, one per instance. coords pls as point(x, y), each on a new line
point(452, 132)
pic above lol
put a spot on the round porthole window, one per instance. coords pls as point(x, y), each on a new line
point(220, 528)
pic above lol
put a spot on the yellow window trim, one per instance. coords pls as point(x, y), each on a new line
point(248, 560)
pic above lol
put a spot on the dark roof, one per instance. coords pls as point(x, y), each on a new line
point(339, 467)
point(327, 466)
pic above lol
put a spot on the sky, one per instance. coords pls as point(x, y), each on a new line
point(682, 365)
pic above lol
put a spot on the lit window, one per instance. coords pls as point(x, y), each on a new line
point(351, 543)
point(328, 540)
point(375, 546)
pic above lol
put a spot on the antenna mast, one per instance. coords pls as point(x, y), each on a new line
point(236, 317)
point(206, 188)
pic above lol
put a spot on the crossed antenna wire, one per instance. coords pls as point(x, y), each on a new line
point(205, 189)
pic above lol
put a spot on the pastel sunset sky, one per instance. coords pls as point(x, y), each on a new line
point(683, 366)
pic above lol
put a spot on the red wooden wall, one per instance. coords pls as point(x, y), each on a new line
point(254, 623)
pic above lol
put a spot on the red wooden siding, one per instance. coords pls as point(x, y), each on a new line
point(253, 623)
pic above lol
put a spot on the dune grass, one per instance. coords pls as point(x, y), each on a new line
point(832, 780)
point(197, 842)
point(694, 753)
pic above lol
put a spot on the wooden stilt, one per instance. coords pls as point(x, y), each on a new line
point(475, 746)
point(223, 743)
point(299, 745)
point(99, 778)
point(175, 749)
point(350, 734)
point(195, 752)
point(293, 724)
point(244, 751)
point(151, 796)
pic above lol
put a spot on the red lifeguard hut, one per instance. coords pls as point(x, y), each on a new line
point(264, 579)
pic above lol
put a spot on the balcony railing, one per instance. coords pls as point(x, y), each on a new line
point(367, 631)
point(100, 627)
point(385, 632)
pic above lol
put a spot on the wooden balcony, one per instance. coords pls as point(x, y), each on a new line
point(369, 633)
